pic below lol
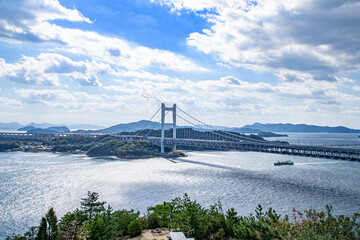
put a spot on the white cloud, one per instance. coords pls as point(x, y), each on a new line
point(33, 96)
point(29, 21)
point(78, 102)
point(28, 71)
point(231, 95)
point(20, 18)
point(221, 100)
point(142, 75)
point(127, 55)
point(8, 102)
point(315, 39)
point(46, 68)
point(356, 88)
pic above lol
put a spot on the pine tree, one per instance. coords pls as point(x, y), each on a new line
point(42, 230)
point(48, 229)
point(52, 229)
point(91, 205)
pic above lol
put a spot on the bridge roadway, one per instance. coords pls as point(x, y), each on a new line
point(301, 150)
point(38, 136)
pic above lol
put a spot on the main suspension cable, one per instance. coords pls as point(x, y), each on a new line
point(226, 132)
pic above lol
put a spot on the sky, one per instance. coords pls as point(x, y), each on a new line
point(226, 62)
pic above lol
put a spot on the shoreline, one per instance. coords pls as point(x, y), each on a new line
point(113, 157)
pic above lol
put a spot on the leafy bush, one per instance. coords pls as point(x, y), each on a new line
point(135, 228)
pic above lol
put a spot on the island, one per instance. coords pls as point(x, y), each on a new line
point(99, 146)
point(108, 146)
point(271, 134)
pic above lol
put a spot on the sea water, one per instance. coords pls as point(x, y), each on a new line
point(31, 183)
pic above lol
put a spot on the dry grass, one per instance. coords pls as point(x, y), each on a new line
point(153, 234)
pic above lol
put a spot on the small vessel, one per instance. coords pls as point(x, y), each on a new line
point(278, 163)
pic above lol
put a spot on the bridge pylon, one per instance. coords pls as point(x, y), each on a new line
point(163, 113)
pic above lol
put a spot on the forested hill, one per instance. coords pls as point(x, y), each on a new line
point(288, 127)
point(104, 145)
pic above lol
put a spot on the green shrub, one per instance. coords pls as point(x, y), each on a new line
point(135, 228)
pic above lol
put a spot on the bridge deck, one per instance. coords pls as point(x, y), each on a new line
point(301, 150)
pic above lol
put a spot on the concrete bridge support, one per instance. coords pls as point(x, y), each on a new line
point(163, 113)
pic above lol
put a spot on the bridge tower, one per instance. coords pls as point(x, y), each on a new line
point(163, 112)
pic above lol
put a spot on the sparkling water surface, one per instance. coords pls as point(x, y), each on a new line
point(31, 183)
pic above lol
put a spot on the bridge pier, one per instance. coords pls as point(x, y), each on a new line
point(163, 112)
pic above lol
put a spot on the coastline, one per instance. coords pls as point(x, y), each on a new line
point(163, 155)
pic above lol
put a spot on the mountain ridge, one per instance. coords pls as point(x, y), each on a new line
point(289, 127)
point(142, 124)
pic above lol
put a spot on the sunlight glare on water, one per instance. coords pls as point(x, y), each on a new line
point(31, 183)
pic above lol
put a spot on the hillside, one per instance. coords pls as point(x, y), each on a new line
point(288, 127)
point(10, 126)
point(61, 129)
point(128, 127)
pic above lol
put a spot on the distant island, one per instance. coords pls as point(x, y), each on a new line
point(270, 134)
point(61, 129)
point(288, 127)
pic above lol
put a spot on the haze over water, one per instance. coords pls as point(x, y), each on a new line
point(31, 183)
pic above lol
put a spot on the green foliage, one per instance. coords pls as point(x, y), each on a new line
point(160, 215)
point(124, 149)
point(120, 221)
point(51, 220)
point(96, 228)
point(70, 223)
point(93, 221)
point(31, 233)
point(135, 228)
point(105, 145)
point(312, 224)
point(8, 145)
point(42, 230)
point(190, 217)
point(105, 149)
point(71, 143)
point(260, 226)
point(91, 206)
point(16, 237)
point(48, 229)
point(153, 221)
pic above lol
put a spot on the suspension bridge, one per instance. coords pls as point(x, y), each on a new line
point(191, 132)
point(186, 130)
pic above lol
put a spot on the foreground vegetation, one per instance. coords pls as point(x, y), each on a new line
point(96, 221)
